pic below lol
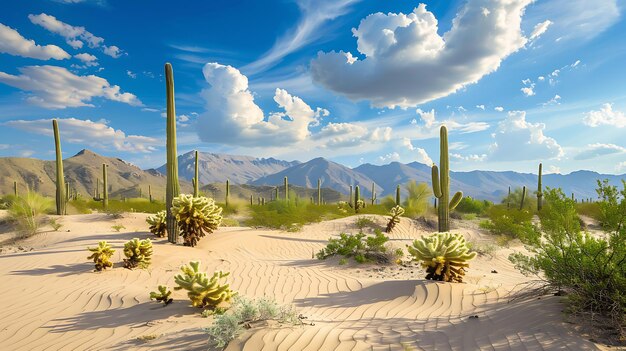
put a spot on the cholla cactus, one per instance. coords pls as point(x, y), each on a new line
point(202, 291)
point(163, 295)
point(396, 212)
point(101, 255)
point(358, 205)
point(157, 224)
point(138, 253)
point(194, 216)
point(444, 255)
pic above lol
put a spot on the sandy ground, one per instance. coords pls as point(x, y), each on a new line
point(52, 299)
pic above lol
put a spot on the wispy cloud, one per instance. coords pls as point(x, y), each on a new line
point(13, 43)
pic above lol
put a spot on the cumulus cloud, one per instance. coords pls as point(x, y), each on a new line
point(552, 169)
point(390, 157)
point(472, 158)
point(341, 135)
point(13, 43)
point(96, 134)
point(75, 36)
point(598, 149)
point(421, 156)
point(407, 62)
point(482, 107)
point(539, 29)
point(528, 88)
point(519, 140)
point(499, 108)
point(605, 116)
point(88, 59)
point(57, 88)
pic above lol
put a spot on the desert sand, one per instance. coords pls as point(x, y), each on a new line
point(53, 300)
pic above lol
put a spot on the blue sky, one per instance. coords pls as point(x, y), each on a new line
point(517, 82)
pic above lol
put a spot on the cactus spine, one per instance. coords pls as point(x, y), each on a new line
point(105, 188)
point(441, 183)
point(196, 180)
point(173, 186)
point(521, 205)
point(60, 194)
point(286, 189)
point(227, 191)
point(539, 193)
point(319, 191)
point(398, 195)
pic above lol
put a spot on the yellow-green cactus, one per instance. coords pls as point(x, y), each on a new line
point(443, 255)
point(158, 224)
point(163, 295)
point(101, 255)
point(195, 216)
point(396, 212)
point(202, 291)
point(138, 253)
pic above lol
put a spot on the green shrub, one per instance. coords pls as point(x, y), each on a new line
point(162, 295)
point(55, 225)
point(591, 269)
point(363, 248)
point(363, 222)
point(443, 255)
point(28, 211)
point(118, 227)
point(281, 214)
point(515, 199)
point(203, 291)
point(195, 216)
point(130, 205)
point(469, 205)
point(513, 223)
point(157, 224)
point(419, 195)
point(138, 253)
point(101, 255)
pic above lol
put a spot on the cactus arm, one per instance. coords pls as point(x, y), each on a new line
point(435, 180)
point(456, 199)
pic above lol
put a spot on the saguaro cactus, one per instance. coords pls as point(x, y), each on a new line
point(319, 191)
point(173, 186)
point(357, 198)
point(60, 183)
point(398, 195)
point(150, 193)
point(441, 183)
point(15, 188)
point(508, 199)
point(539, 192)
point(521, 205)
point(373, 193)
point(227, 191)
point(350, 198)
point(196, 180)
point(286, 189)
point(276, 195)
point(105, 187)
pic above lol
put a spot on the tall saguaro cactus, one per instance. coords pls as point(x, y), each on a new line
point(357, 197)
point(373, 193)
point(196, 180)
point(60, 182)
point(286, 189)
point(508, 199)
point(150, 193)
point(521, 204)
point(319, 191)
point(15, 188)
point(398, 195)
point(539, 190)
point(173, 186)
point(350, 198)
point(441, 183)
point(105, 187)
point(227, 192)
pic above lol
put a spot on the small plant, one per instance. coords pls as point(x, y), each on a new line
point(202, 291)
point(138, 253)
point(396, 212)
point(362, 222)
point(443, 255)
point(55, 225)
point(28, 211)
point(117, 227)
point(157, 224)
point(195, 216)
point(361, 247)
point(148, 337)
point(343, 261)
point(101, 255)
point(482, 249)
point(163, 295)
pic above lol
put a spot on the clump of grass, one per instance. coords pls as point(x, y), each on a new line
point(130, 205)
point(55, 225)
point(283, 214)
point(118, 227)
point(148, 337)
point(364, 222)
point(363, 248)
point(28, 212)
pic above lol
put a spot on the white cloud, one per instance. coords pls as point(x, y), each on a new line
point(75, 36)
point(539, 29)
point(575, 64)
point(343, 135)
point(499, 108)
point(541, 78)
point(403, 51)
point(390, 157)
point(315, 13)
point(431, 125)
point(13, 43)
point(519, 140)
point(553, 170)
point(482, 107)
point(554, 101)
point(422, 155)
point(57, 88)
point(605, 116)
point(428, 117)
point(88, 59)
point(598, 149)
point(471, 158)
point(93, 134)
point(131, 74)
point(458, 145)
point(620, 166)
point(528, 90)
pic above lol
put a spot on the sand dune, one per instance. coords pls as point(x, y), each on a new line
point(52, 300)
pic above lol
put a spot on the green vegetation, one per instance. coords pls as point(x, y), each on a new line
point(203, 291)
point(591, 269)
point(162, 295)
point(195, 216)
point(539, 190)
point(469, 205)
point(363, 248)
point(138, 253)
point(396, 212)
point(173, 186)
point(118, 227)
point(101, 255)
point(28, 212)
point(228, 326)
point(363, 222)
point(443, 255)
point(511, 223)
point(55, 225)
point(514, 199)
point(157, 224)
point(416, 203)
point(441, 184)
point(282, 214)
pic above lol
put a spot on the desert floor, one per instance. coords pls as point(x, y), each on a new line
point(52, 300)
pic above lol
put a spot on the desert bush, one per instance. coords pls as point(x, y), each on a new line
point(162, 295)
point(396, 212)
point(157, 224)
point(512, 223)
point(515, 198)
point(444, 256)
point(281, 214)
point(363, 248)
point(363, 222)
point(138, 253)
point(119, 206)
point(28, 211)
point(203, 291)
point(591, 269)
point(79, 206)
point(227, 327)
point(473, 206)
point(6, 201)
point(195, 216)
point(419, 195)
point(118, 227)
point(101, 255)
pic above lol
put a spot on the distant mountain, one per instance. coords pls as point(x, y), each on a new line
point(220, 167)
point(333, 175)
point(81, 171)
